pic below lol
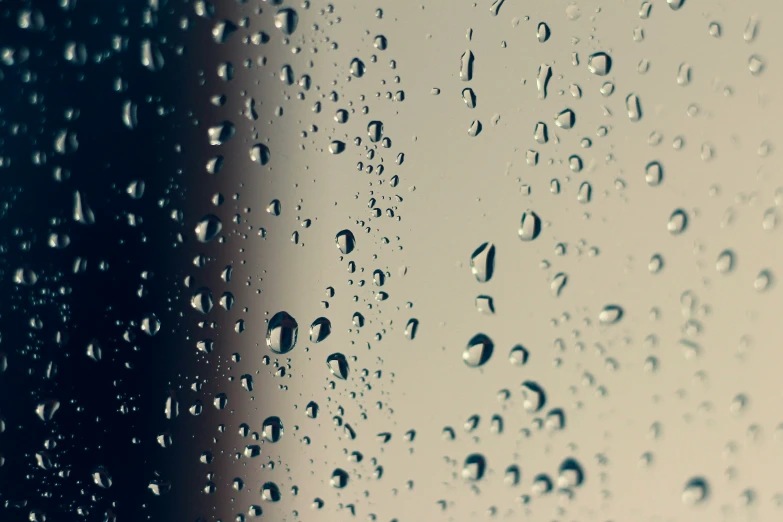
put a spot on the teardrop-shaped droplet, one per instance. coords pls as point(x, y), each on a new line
point(208, 228)
point(282, 333)
point(482, 262)
point(478, 351)
point(338, 365)
point(320, 329)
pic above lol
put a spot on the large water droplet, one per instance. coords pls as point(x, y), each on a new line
point(345, 241)
point(339, 478)
point(208, 228)
point(272, 429)
point(259, 153)
point(599, 63)
point(286, 20)
point(202, 300)
point(565, 119)
point(282, 333)
point(696, 491)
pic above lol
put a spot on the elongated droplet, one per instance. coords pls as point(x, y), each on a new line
point(611, 314)
point(466, 66)
point(542, 80)
point(634, 107)
point(482, 262)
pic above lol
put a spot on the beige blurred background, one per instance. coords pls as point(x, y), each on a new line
point(458, 191)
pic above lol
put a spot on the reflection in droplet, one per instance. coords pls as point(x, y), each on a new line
point(482, 262)
point(338, 365)
point(345, 241)
point(478, 351)
point(282, 333)
point(320, 329)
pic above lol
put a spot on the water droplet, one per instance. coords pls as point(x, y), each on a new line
point(684, 74)
point(634, 107)
point(82, 213)
point(565, 119)
point(474, 467)
point(542, 80)
point(339, 478)
point(482, 262)
point(533, 397)
point(696, 491)
point(751, 29)
point(469, 97)
point(485, 305)
point(518, 355)
point(357, 68)
point(221, 133)
point(530, 226)
point(46, 409)
point(678, 222)
point(282, 333)
point(755, 65)
point(653, 173)
point(338, 365)
point(656, 264)
point(611, 314)
point(208, 228)
point(675, 4)
point(272, 429)
point(478, 351)
point(410, 329)
point(380, 42)
point(259, 153)
point(763, 281)
point(599, 63)
point(474, 129)
point(558, 283)
point(466, 66)
point(25, 276)
point(286, 20)
point(585, 192)
point(375, 131)
point(543, 33)
point(320, 330)
point(274, 207)
point(570, 474)
point(345, 241)
point(202, 300)
point(726, 262)
point(150, 324)
point(311, 410)
point(270, 492)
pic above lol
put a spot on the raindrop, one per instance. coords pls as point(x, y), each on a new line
point(558, 283)
point(482, 262)
point(678, 222)
point(565, 119)
point(599, 63)
point(518, 355)
point(696, 491)
point(474, 467)
point(653, 173)
point(46, 409)
point(202, 300)
point(542, 80)
point(466, 66)
point(282, 333)
point(272, 429)
point(320, 330)
point(345, 242)
point(208, 228)
point(410, 329)
point(543, 33)
point(357, 68)
point(270, 492)
point(339, 478)
point(338, 365)
point(634, 107)
point(286, 20)
point(611, 314)
point(530, 226)
point(533, 397)
point(726, 262)
point(259, 153)
point(478, 351)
